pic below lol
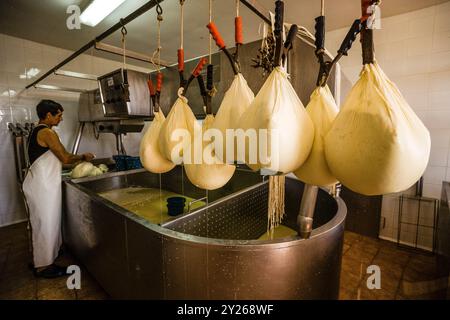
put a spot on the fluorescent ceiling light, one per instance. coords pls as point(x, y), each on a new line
point(99, 10)
point(30, 73)
point(9, 93)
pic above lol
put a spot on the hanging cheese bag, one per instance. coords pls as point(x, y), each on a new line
point(208, 176)
point(322, 110)
point(151, 157)
point(177, 131)
point(377, 144)
point(149, 152)
point(237, 98)
point(277, 114)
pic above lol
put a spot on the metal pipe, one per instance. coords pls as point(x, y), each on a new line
point(255, 10)
point(146, 7)
point(76, 144)
point(306, 212)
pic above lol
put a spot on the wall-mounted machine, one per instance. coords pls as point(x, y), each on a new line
point(124, 93)
point(119, 106)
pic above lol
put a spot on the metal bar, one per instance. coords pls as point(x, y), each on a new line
point(78, 75)
point(50, 87)
point(146, 7)
point(76, 144)
point(130, 54)
point(255, 10)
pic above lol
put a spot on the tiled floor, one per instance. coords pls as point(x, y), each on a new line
point(18, 282)
point(405, 274)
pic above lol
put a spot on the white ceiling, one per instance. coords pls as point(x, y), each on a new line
point(44, 21)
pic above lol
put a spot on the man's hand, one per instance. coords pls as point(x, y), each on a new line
point(88, 156)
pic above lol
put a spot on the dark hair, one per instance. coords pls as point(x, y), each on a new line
point(46, 106)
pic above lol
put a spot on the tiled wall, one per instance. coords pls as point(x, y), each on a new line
point(414, 51)
point(18, 105)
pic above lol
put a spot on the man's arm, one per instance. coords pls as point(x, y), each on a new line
point(49, 138)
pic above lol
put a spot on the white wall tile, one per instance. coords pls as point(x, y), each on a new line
point(443, 7)
point(434, 175)
point(441, 42)
point(418, 46)
point(397, 30)
point(438, 157)
point(432, 190)
point(417, 83)
point(440, 138)
point(418, 64)
point(437, 119)
point(416, 100)
point(15, 59)
point(440, 81)
point(441, 22)
point(421, 26)
point(440, 61)
point(440, 100)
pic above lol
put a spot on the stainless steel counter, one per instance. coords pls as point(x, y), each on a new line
point(211, 253)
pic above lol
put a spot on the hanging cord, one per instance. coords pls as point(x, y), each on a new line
point(124, 32)
point(210, 36)
point(159, 11)
point(238, 36)
point(210, 69)
point(180, 52)
point(322, 8)
point(182, 24)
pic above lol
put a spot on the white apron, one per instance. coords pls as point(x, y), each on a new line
point(42, 188)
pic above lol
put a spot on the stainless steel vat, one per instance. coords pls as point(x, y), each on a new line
point(210, 253)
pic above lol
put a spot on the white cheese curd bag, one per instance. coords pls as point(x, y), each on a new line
point(179, 121)
point(322, 110)
point(149, 151)
point(82, 170)
point(377, 144)
point(235, 101)
point(278, 110)
point(208, 176)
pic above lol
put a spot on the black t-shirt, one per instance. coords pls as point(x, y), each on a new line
point(34, 149)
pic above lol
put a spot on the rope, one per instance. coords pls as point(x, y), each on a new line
point(322, 8)
point(124, 33)
point(159, 46)
point(210, 36)
point(182, 24)
point(237, 8)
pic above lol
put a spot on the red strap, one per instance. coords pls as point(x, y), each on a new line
point(180, 60)
point(216, 35)
point(199, 67)
point(151, 88)
point(159, 81)
point(239, 37)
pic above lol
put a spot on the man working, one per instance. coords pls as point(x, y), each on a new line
point(42, 188)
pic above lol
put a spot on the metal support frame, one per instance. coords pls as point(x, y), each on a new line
point(146, 7)
point(100, 46)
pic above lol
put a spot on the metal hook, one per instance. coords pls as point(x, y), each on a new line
point(159, 9)
point(124, 30)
